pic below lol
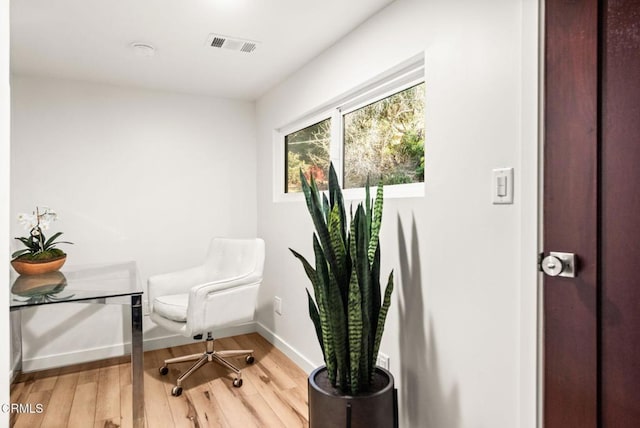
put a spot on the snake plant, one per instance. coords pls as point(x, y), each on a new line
point(348, 312)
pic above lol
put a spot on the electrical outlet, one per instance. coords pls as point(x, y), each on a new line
point(277, 305)
point(383, 360)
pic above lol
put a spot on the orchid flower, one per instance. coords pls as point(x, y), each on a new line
point(36, 223)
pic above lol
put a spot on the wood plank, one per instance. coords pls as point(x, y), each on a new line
point(126, 392)
point(298, 399)
point(260, 410)
point(20, 391)
point(126, 413)
point(296, 374)
point(204, 410)
point(276, 374)
point(289, 414)
point(233, 408)
point(183, 416)
point(83, 408)
point(89, 376)
point(125, 374)
point(59, 407)
point(157, 411)
point(31, 418)
point(45, 383)
point(108, 397)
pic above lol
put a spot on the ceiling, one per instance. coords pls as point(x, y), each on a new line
point(91, 40)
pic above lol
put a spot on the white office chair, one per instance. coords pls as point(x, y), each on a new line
point(220, 292)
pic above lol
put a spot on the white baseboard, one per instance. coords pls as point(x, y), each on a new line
point(302, 361)
point(175, 340)
point(74, 357)
point(101, 353)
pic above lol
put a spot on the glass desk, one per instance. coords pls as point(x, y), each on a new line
point(101, 284)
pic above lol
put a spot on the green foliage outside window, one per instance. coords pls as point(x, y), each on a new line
point(385, 140)
point(308, 151)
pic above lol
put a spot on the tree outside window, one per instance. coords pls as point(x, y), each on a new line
point(385, 140)
point(308, 150)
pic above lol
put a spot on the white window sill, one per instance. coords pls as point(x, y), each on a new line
point(395, 191)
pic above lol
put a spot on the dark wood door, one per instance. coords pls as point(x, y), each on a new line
point(620, 222)
point(592, 208)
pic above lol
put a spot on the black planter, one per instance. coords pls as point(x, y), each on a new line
point(328, 409)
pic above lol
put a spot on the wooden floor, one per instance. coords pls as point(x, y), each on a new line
point(274, 392)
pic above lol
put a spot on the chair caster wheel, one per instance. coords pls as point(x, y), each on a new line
point(163, 370)
point(176, 391)
point(237, 382)
point(249, 359)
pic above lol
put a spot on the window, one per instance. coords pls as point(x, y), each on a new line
point(308, 150)
point(385, 140)
point(376, 131)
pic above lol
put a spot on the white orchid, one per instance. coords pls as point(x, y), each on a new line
point(28, 221)
point(37, 243)
point(41, 218)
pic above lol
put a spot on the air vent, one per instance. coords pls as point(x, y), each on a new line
point(218, 42)
point(231, 43)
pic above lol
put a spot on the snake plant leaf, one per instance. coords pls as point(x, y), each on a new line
point(355, 332)
point(326, 208)
point(368, 202)
point(339, 329)
point(335, 195)
point(362, 270)
point(319, 291)
point(375, 223)
point(338, 245)
point(383, 316)
point(314, 206)
point(367, 196)
point(375, 296)
point(315, 317)
point(324, 308)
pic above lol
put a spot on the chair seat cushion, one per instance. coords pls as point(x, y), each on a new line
point(172, 306)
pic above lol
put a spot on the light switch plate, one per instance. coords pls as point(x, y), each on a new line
point(502, 186)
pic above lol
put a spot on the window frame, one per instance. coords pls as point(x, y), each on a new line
point(405, 75)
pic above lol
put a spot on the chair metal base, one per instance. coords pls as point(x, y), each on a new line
point(209, 355)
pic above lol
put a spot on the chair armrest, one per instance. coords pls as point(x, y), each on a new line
point(177, 282)
point(198, 294)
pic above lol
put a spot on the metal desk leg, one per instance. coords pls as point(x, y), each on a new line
point(16, 340)
point(137, 366)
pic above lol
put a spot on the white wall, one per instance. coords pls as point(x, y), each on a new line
point(134, 175)
point(456, 329)
point(5, 151)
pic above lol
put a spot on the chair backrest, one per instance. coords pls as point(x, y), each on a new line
point(228, 258)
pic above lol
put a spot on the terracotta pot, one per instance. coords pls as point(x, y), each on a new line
point(26, 267)
point(329, 409)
